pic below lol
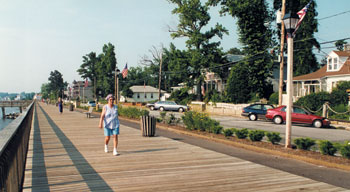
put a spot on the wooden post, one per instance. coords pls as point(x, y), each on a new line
point(280, 90)
point(3, 112)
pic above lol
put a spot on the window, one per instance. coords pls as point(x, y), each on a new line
point(256, 107)
point(152, 95)
point(329, 63)
point(299, 110)
point(138, 95)
point(145, 95)
point(335, 63)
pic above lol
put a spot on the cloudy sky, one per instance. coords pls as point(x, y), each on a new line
point(40, 36)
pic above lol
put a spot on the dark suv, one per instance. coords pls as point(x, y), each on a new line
point(255, 111)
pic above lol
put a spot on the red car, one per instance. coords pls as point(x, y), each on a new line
point(299, 115)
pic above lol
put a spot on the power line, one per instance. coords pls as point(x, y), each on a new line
point(334, 15)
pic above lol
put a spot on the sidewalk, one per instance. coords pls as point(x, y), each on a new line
point(66, 154)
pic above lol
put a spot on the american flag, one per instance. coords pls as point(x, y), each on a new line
point(301, 15)
point(125, 71)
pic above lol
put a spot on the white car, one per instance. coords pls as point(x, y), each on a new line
point(167, 106)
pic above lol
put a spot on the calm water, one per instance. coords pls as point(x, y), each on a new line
point(5, 122)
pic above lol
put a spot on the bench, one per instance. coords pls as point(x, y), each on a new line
point(88, 114)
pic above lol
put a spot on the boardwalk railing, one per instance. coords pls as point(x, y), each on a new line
point(13, 151)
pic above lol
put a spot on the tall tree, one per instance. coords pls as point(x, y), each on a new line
point(105, 68)
point(253, 18)
point(176, 63)
point(87, 69)
point(304, 41)
point(193, 17)
point(56, 84)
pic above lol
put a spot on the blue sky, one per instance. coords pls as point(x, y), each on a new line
point(40, 36)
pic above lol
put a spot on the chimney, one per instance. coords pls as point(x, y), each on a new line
point(347, 47)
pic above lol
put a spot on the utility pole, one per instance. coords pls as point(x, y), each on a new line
point(160, 74)
point(280, 90)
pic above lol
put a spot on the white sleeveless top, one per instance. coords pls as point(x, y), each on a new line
point(111, 120)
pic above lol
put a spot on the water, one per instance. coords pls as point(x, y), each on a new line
point(5, 122)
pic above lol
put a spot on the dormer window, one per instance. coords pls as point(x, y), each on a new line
point(330, 64)
point(333, 64)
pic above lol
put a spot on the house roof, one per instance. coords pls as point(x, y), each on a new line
point(342, 53)
point(321, 73)
point(147, 89)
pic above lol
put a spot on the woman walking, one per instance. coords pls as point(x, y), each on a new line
point(110, 123)
point(60, 105)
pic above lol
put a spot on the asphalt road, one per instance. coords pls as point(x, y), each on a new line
point(330, 134)
point(328, 175)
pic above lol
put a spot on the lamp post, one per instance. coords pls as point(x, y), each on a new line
point(116, 85)
point(290, 21)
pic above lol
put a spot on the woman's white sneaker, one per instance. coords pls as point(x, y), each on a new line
point(106, 148)
point(115, 153)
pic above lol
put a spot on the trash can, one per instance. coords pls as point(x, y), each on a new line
point(71, 107)
point(148, 126)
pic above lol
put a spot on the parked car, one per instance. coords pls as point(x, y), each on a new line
point(255, 111)
point(299, 115)
point(91, 103)
point(167, 106)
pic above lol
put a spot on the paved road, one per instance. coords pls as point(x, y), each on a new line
point(334, 135)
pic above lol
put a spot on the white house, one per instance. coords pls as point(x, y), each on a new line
point(325, 79)
point(144, 94)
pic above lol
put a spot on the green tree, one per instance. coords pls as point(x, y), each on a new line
point(204, 53)
point(105, 68)
point(56, 84)
point(340, 44)
point(177, 63)
point(255, 35)
point(304, 41)
point(234, 51)
point(87, 69)
point(237, 90)
point(45, 90)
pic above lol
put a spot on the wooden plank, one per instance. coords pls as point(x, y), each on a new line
point(76, 161)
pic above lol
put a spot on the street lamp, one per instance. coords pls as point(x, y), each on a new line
point(116, 84)
point(290, 22)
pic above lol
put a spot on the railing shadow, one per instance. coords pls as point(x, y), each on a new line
point(85, 169)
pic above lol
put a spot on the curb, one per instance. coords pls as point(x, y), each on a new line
point(261, 150)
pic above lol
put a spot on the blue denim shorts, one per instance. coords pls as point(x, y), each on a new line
point(109, 132)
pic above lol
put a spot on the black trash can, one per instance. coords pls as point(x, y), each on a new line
point(148, 126)
point(71, 107)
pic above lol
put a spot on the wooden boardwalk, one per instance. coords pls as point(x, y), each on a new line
point(66, 153)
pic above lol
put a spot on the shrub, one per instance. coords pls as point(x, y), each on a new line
point(341, 108)
point(314, 101)
point(273, 137)
point(162, 114)
point(326, 147)
point(172, 119)
point(188, 119)
point(201, 121)
point(228, 132)
point(132, 112)
point(304, 143)
point(217, 129)
point(241, 133)
point(256, 135)
point(273, 98)
point(345, 150)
